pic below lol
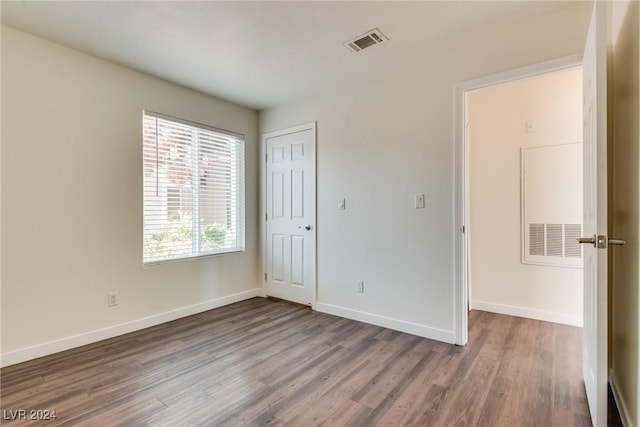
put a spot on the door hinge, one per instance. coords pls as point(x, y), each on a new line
point(266, 217)
point(462, 229)
point(265, 276)
point(266, 157)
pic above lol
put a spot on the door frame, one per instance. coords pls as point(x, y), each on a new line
point(263, 207)
point(461, 176)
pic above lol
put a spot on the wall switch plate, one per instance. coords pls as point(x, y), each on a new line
point(360, 286)
point(112, 299)
point(418, 201)
point(342, 205)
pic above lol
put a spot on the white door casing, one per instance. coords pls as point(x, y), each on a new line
point(594, 342)
point(290, 208)
point(461, 235)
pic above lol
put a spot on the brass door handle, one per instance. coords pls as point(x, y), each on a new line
point(617, 242)
point(601, 242)
point(591, 240)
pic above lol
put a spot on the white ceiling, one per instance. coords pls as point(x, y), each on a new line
point(260, 54)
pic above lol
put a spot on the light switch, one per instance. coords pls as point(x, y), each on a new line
point(418, 201)
point(342, 204)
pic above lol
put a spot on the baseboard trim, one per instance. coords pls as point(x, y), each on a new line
point(623, 409)
point(388, 322)
point(529, 313)
point(51, 347)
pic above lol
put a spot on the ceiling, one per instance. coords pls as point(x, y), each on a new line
point(260, 54)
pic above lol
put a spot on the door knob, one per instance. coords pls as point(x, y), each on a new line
point(617, 242)
point(306, 227)
point(591, 240)
point(601, 242)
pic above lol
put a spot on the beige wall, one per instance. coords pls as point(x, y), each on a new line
point(625, 351)
point(72, 185)
point(383, 140)
point(497, 118)
point(72, 201)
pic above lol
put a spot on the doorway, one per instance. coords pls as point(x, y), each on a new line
point(463, 245)
point(290, 214)
point(524, 192)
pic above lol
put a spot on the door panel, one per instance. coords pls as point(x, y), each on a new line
point(290, 220)
point(297, 260)
point(278, 194)
point(297, 193)
point(277, 257)
point(594, 351)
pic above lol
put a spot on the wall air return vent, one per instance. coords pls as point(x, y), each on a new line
point(551, 192)
point(363, 41)
point(553, 240)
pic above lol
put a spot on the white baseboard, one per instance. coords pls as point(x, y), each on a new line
point(529, 313)
point(623, 409)
point(388, 322)
point(47, 348)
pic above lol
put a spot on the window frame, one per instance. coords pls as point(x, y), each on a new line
point(240, 192)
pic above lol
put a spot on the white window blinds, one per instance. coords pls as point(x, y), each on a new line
point(193, 189)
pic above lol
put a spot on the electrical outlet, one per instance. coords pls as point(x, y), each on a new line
point(112, 299)
point(531, 126)
point(360, 286)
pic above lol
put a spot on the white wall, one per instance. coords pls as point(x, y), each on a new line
point(497, 117)
point(72, 201)
point(380, 142)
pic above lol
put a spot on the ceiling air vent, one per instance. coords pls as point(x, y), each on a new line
point(363, 41)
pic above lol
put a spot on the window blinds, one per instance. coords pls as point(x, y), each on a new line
point(194, 200)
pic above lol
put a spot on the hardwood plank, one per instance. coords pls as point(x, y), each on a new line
point(330, 401)
point(418, 400)
point(307, 395)
point(265, 361)
point(466, 399)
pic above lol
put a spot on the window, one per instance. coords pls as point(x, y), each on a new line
point(193, 189)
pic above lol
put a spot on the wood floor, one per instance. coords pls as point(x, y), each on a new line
point(264, 361)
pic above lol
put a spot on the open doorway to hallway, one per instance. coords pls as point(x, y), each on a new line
point(524, 197)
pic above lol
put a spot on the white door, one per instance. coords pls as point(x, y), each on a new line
point(290, 269)
point(594, 346)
